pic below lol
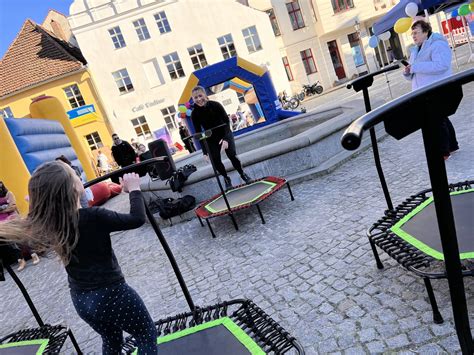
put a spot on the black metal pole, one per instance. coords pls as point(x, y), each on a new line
point(375, 150)
point(25, 295)
point(444, 214)
point(220, 184)
point(171, 258)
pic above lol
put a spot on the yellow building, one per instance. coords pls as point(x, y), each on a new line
point(39, 63)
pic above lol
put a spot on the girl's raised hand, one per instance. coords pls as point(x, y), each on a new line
point(130, 182)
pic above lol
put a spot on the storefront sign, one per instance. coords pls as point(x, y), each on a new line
point(357, 55)
point(147, 105)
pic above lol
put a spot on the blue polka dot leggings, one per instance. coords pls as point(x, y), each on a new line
point(112, 310)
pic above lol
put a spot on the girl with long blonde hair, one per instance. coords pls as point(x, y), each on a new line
point(81, 239)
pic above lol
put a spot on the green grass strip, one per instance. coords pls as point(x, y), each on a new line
point(42, 342)
point(270, 187)
point(236, 331)
point(397, 229)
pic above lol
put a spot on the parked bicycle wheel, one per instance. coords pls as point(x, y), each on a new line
point(319, 89)
point(294, 103)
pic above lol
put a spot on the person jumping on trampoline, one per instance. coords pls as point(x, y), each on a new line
point(206, 115)
point(81, 239)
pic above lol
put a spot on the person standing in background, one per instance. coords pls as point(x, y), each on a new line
point(430, 61)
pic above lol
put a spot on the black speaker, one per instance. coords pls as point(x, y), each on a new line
point(159, 148)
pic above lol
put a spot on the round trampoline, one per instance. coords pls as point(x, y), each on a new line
point(240, 197)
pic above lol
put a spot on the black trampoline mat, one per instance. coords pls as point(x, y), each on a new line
point(217, 340)
point(241, 196)
point(420, 227)
point(28, 347)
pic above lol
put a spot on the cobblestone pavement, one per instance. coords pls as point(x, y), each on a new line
point(310, 267)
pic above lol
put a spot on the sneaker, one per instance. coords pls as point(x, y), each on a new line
point(454, 150)
point(35, 258)
point(228, 183)
point(246, 178)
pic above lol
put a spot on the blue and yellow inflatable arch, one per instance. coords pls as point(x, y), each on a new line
point(240, 68)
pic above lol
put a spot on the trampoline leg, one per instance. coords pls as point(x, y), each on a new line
point(210, 228)
point(437, 318)
point(260, 213)
point(289, 190)
point(200, 221)
point(376, 255)
point(234, 221)
point(74, 342)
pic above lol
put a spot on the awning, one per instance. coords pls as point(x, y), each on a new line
point(387, 21)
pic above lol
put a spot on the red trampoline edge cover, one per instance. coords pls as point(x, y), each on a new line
point(203, 210)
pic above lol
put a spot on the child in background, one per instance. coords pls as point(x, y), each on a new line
point(81, 238)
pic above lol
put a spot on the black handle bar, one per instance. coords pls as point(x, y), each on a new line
point(367, 80)
point(415, 101)
point(128, 169)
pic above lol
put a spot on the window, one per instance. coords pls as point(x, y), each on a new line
point(174, 65)
point(226, 43)
point(141, 127)
point(241, 98)
point(273, 21)
point(342, 5)
point(94, 141)
point(296, 17)
point(6, 112)
point(74, 96)
point(308, 61)
point(123, 81)
point(142, 30)
point(197, 56)
point(289, 74)
point(162, 22)
point(251, 39)
point(169, 114)
point(117, 37)
point(153, 73)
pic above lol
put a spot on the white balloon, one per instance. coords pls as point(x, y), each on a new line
point(411, 9)
point(385, 36)
point(458, 18)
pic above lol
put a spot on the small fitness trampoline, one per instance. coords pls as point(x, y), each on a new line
point(430, 232)
point(233, 328)
point(240, 197)
point(45, 339)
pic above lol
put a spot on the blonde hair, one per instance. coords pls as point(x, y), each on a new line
point(53, 217)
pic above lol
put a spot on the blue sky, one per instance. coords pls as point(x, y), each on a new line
point(14, 12)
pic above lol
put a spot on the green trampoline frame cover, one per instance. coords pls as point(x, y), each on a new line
point(270, 184)
point(42, 342)
point(397, 229)
point(228, 323)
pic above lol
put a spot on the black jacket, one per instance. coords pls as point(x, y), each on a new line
point(123, 154)
point(209, 116)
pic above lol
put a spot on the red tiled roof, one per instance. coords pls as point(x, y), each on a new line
point(35, 56)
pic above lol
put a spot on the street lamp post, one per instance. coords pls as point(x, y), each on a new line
point(357, 28)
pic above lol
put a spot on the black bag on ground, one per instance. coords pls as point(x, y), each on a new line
point(169, 207)
point(178, 178)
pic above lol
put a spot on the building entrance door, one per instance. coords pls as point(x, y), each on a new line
point(336, 60)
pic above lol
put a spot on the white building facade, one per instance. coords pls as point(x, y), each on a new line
point(320, 39)
point(141, 53)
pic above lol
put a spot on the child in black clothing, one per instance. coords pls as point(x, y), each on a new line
point(209, 114)
point(81, 238)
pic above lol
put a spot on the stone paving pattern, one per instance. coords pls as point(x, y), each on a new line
point(310, 267)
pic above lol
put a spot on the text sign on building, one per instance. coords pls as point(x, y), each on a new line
point(82, 115)
point(80, 111)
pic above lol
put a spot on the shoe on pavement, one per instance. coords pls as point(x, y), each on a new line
point(21, 264)
point(35, 258)
point(454, 150)
point(228, 183)
point(247, 179)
